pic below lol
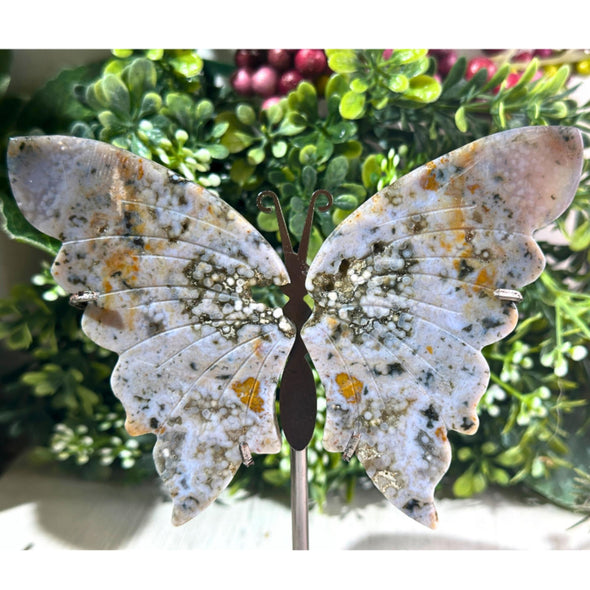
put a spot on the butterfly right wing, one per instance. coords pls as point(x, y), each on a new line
point(171, 267)
point(405, 297)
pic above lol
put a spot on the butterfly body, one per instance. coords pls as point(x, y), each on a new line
point(406, 293)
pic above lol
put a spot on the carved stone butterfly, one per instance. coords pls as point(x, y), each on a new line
point(407, 290)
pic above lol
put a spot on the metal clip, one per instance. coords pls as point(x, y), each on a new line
point(508, 295)
point(246, 454)
point(351, 446)
point(81, 298)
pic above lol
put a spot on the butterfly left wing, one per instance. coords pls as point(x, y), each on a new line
point(405, 296)
point(168, 269)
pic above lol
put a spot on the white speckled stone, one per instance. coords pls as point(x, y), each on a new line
point(403, 291)
point(404, 300)
point(172, 266)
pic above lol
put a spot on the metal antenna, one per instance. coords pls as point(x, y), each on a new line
point(297, 393)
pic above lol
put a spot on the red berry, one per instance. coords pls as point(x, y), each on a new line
point(249, 58)
point(543, 53)
point(289, 81)
point(387, 53)
point(310, 62)
point(445, 61)
point(523, 56)
point(241, 81)
point(480, 63)
point(264, 81)
point(270, 101)
point(512, 79)
point(280, 59)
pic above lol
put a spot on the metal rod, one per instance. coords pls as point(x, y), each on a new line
point(299, 499)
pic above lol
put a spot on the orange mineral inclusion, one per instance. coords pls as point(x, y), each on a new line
point(350, 387)
point(248, 392)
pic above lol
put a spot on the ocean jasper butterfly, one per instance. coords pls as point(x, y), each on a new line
point(407, 290)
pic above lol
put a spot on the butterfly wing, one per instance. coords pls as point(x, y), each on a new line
point(172, 267)
point(404, 301)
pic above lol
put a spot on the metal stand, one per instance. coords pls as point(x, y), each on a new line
point(297, 394)
point(299, 499)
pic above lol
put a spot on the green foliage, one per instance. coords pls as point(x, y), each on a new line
point(376, 80)
point(380, 116)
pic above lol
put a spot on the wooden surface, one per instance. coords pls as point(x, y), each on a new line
point(42, 512)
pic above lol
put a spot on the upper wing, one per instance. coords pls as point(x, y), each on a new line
point(172, 266)
point(404, 300)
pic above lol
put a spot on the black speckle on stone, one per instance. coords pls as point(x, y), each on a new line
point(411, 505)
point(154, 423)
point(489, 323)
point(467, 423)
point(431, 414)
point(378, 247)
point(464, 269)
point(395, 369)
point(344, 266)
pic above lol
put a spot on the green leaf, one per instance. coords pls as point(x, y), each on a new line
point(350, 149)
point(292, 124)
point(352, 105)
point(309, 177)
point(461, 119)
point(187, 64)
point(20, 338)
point(336, 172)
point(138, 78)
point(404, 56)
point(236, 141)
point(241, 171)
point(279, 149)
point(456, 73)
point(398, 83)
point(246, 114)
point(267, 221)
point(371, 170)
point(219, 152)
point(336, 86)
point(501, 116)
point(14, 224)
point(359, 85)
point(296, 223)
point(423, 89)
point(307, 155)
point(343, 61)
point(304, 101)
point(499, 77)
point(255, 156)
point(154, 54)
point(57, 104)
point(347, 202)
point(151, 103)
point(114, 95)
point(580, 238)
point(512, 457)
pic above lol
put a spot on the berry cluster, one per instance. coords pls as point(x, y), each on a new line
point(273, 73)
point(549, 60)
